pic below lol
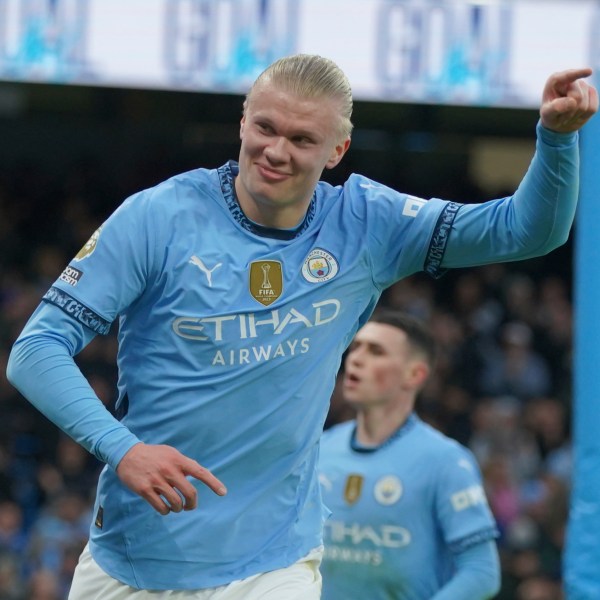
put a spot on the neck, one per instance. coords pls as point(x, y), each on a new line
point(276, 218)
point(374, 425)
point(282, 216)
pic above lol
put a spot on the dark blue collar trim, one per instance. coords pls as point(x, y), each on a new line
point(405, 428)
point(227, 174)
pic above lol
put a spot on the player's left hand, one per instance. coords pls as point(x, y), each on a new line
point(568, 101)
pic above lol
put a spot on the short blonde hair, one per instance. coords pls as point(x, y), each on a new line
point(311, 76)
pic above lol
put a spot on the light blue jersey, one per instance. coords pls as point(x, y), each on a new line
point(229, 342)
point(398, 512)
point(230, 337)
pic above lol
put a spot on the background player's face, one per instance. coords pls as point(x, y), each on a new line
point(381, 367)
point(287, 141)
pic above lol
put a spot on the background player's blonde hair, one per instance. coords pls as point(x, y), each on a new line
point(311, 76)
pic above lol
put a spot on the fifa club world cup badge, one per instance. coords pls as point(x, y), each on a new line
point(353, 488)
point(266, 281)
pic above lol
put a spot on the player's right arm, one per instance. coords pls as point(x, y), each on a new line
point(110, 272)
point(42, 368)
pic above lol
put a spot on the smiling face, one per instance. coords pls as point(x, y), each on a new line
point(382, 367)
point(287, 142)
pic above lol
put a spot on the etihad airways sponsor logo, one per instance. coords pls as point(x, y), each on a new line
point(222, 328)
point(382, 536)
point(372, 558)
point(260, 353)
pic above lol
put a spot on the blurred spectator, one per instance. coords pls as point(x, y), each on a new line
point(539, 588)
point(13, 537)
point(44, 585)
point(12, 586)
point(514, 367)
point(63, 523)
point(499, 432)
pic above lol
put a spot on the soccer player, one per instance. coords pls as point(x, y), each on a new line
point(237, 291)
point(410, 519)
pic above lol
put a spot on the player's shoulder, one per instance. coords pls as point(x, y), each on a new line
point(175, 187)
point(171, 195)
point(337, 433)
point(439, 443)
point(360, 186)
point(365, 194)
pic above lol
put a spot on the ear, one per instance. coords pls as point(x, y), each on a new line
point(242, 122)
point(338, 153)
point(419, 373)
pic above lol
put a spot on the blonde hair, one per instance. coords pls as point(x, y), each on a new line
point(311, 76)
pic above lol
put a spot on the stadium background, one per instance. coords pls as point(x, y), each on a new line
point(70, 154)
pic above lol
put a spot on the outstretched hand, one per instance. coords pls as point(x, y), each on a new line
point(159, 475)
point(568, 101)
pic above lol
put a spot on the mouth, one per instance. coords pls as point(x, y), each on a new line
point(350, 380)
point(270, 174)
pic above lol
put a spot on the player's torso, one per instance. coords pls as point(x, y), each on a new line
point(383, 530)
point(241, 324)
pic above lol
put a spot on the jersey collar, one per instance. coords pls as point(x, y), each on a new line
point(407, 426)
point(227, 174)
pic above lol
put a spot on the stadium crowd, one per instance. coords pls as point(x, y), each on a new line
point(502, 387)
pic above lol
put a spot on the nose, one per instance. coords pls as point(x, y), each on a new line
point(355, 356)
point(276, 151)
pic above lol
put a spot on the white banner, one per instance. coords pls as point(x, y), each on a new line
point(480, 52)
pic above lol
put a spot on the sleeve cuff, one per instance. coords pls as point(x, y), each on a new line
point(554, 138)
point(114, 445)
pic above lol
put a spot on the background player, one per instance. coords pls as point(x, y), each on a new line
point(410, 519)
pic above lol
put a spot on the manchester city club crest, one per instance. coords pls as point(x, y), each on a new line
point(319, 266)
point(388, 490)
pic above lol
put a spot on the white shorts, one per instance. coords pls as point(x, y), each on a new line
point(300, 581)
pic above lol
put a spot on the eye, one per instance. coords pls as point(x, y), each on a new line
point(302, 140)
point(265, 128)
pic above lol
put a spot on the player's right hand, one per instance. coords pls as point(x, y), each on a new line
point(159, 475)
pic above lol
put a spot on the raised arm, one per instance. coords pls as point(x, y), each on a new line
point(538, 217)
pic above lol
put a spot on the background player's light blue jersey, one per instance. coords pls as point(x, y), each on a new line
point(398, 513)
point(229, 343)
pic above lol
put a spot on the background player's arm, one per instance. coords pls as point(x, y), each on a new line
point(477, 575)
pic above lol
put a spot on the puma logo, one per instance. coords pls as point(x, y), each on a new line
point(208, 272)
